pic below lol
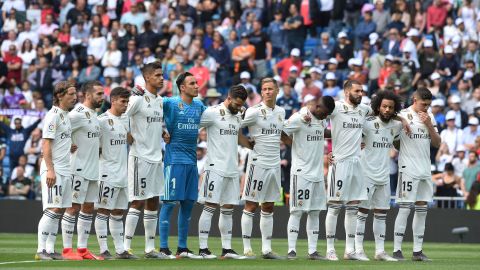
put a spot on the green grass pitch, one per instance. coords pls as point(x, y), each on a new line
point(21, 247)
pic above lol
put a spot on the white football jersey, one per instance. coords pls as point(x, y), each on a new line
point(347, 124)
point(86, 135)
point(146, 126)
point(114, 155)
point(58, 128)
point(414, 155)
point(222, 140)
point(378, 137)
point(265, 126)
point(308, 144)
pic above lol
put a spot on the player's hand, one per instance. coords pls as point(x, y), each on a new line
point(406, 126)
point(362, 145)
point(130, 139)
point(425, 118)
point(330, 158)
point(166, 137)
point(137, 90)
point(51, 178)
point(73, 148)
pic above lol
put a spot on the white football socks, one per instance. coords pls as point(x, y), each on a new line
point(400, 225)
point(331, 225)
point(266, 228)
point(101, 229)
point(360, 231)
point(130, 226)
point(247, 225)
point(379, 228)
point(351, 211)
point(47, 225)
point(116, 230)
point(225, 227)
point(150, 219)
point(68, 227)
point(313, 225)
point(204, 225)
point(418, 226)
point(293, 228)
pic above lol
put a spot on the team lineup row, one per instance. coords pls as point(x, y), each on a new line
point(76, 179)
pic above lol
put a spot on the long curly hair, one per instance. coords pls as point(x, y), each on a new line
point(389, 95)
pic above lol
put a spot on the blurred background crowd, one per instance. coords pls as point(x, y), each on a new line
point(310, 47)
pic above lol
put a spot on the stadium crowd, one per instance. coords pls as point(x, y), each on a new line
point(310, 46)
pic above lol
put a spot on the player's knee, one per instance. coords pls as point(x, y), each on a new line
point(420, 203)
point(103, 211)
point(267, 207)
point(87, 208)
point(313, 213)
point(227, 206)
point(73, 210)
point(296, 214)
point(117, 212)
point(334, 208)
point(137, 205)
point(364, 210)
point(251, 206)
point(212, 205)
point(380, 211)
point(56, 210)
point(152, 204)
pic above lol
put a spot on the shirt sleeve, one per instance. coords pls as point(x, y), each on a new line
point(207, 118)
point(293, 124)
point(50, 126)
point(75, 120)
point(133, 105)
point(251, 116)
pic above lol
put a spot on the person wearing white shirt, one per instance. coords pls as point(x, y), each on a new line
point(111, 61)
point(12, 40)
point(97, 45)
point(470, 133)
point(452, 135)
point(48, 27)
point(27, 33)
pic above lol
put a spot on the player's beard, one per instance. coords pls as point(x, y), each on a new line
point(232, 110)
point(384, 118)
point(355, 101)
point(96, 104)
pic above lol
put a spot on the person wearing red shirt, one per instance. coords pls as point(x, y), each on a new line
point(201, 74)
point(285, 64)
point(436, 14)
point(310, 88)
point(14, 64)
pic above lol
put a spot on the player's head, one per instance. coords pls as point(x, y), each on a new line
point(422, 98)
point(153, 74)
point(269, 88)
point(386, 105)
point(119, 99)
point(65, 95)
point(236, 98)
point(93, 93)
point(187, 84)
point(321, 107)
point(353, 91)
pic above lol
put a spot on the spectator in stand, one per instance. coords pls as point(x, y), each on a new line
point(448, 185)
point(43, 80)
point(79, 39)
point(288, 101)
point(180, 37)
point(358, 73)
point(10, 23)
point(436, 14)
point(331, 87)
point(461, 117)
point(47, 28)
point(452, 135)
point(63, 61)
point(471, 172)
point(17, 138)
point(89, 73)
point(201, 74)
point(323, 51)
point(438, 106)
point(460, 161)
point(400, 78)
point(253, 98)
point(470, 133)
point(448, 66)
point(263, 50)
point(13, 97)
point(294, 29)
point(79, 10)
point(343, 51)
point(14, 64)
point(364, 29)
point(128, 54)
point(245, 80)
point(27, 54)
point(396, 22)
point(20, 187)
point(285, 64)
point(219, 51)
point(310, 88)
point(111, 61)
point(6, 43)
point(380, 16)
point(28, 33)
point(243, 56)
point(97, 45)
point(276, 34)
point(391, 46)
point(428, 59)
point(251, 9)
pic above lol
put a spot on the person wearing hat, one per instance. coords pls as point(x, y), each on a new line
point(358, 73)
point(437, 111)
point(470, 133)
point(461, 117)
point(460, 160)
point(343, 51)
point(410, 64)
point(449, 67)
point(212, 97)
point(452, 135)
point(331, 88)
point(245, 80)
point(282, 68)
point(428, 59)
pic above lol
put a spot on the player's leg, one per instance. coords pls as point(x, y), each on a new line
point(168, 204)
point(296, 211)
point(356, 191)
point(115, 225)
point(69, 217)
point(314, 196)
point(150, 219)
point(46, 226)
point(351, 211)
point(135, 181)
point(229, 198)
point(85, 219)
point(250, 196)
point(424, 195)
point(154, 187)
point(405, 198)
point(313, 227)
point(335, 191)
point(209, 193)
point(101, 229)
point(381, 204)
point(360, 231)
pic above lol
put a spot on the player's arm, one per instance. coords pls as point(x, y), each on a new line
point(327, 133)
point(286, 139)
point(405, 124)
point(244, 141)
point(207, 118)
point(432, 128)
point(396, 144)
point(48, 158)
point(251, 116)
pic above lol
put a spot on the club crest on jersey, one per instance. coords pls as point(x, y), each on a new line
point(63, 119)
point(110, 122)
point(210, 195)
point(104, 201)
point(360, 112)
point(264, 112)
point(300, 203)
point(75, 195)
point(345, 108)
point(410, 117)
point(253, 194)
point(222, 113)
point(391, 131)
point(180, 106)
point(377, 126)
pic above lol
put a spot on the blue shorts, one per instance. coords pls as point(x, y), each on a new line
point(181, 182)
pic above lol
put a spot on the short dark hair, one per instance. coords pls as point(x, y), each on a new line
point(181, 27)
point(423, 93)
point(60, 90)
point(449, 167)
point(329, 102)
point(238, 91)
point(90, 86)
point(119, 92)
point(151, 67)
point(349, 84)
point(181, 78)
point(389, 95)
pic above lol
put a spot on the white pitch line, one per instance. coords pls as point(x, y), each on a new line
point(15, 262)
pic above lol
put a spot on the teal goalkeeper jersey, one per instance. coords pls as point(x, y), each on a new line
point(182, 121)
